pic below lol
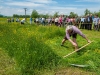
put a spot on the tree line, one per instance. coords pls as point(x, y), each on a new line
point(35, 14)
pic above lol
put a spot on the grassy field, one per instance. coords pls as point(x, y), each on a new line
point(35, 50)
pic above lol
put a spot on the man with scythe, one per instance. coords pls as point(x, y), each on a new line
point(72, 30)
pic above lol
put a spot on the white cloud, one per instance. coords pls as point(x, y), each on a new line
point(43, 1)
point(8, 11)
point(1, 1)
point(73, 5)
point(20, 10)
point(26, 4)
point(63, 8)
point(9, 0)
point(1, 7)
point(30, 2)
point(88, 1)
point(44, 7)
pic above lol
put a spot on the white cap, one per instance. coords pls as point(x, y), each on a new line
point(69, 27)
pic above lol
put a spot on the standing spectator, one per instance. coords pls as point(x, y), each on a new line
point(56, 21)
point(86, 22)
point(17, 20)
point(8, 20)
point(77, 21)
point(37, 20)
point(31, 20)
point(49, 21)
point(53, 21)
point(40, 20)
point(82, 23)
point(69, 20)
point(60, 21)
point(89, 22)
point(63, 20)
point(43, 21)
point(34, 20)
point(99, 24)
point(95, 22)
point(12, 19)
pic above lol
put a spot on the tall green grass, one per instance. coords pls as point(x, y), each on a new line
point(30, 52)
point(36, 48)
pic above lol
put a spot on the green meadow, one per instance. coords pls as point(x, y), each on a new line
point(35, 50)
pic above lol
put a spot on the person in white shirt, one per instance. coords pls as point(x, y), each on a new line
point(43, 21)
point(56, 21)
point(22, 21)
point(95, 22)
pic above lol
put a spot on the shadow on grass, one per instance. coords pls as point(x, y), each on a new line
point(65, 46)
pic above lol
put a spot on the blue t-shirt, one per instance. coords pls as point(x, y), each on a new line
point(30, 19)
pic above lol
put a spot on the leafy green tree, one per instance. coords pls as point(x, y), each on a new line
point(97, 13)
point(87, 12)
point(1, 15)
point(46, 16)
point(55, 14)
point(34, 14)
point(41, 15)
point(21, 16)
point(15, 15)
point(72, 14)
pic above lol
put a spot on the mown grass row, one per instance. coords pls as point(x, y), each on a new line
point(38, 47)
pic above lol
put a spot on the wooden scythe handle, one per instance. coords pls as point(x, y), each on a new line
point(76, 50)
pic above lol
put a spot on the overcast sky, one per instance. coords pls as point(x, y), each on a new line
point(10, 7)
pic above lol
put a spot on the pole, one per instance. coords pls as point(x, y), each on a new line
point(25, 13)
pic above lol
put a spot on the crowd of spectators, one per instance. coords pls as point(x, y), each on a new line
point(88, 22)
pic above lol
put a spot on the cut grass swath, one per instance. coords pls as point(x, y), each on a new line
point(77, 65)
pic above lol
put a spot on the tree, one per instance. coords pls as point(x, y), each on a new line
point(34, 14)
point(86, 12)
point(46, 16)
point(1, 15)
point(97, 13)
point(20, 16)
point(15, 15)
point(56, 14)
point(72, 14)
